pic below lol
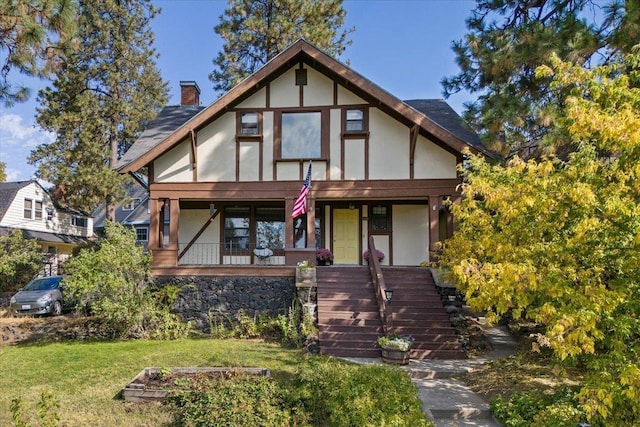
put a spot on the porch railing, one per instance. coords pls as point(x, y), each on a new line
point(386, 310)
point(216, 254)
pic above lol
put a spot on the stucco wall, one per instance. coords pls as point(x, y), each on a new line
point(410, 234)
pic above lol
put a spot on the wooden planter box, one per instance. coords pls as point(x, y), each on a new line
point(140, 390)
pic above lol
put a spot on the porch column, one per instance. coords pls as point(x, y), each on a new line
point(288, 223)
point(174, 217)
point(434, 222)
point(154, 231)
point(311, 222)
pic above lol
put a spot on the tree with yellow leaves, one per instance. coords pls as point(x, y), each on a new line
point(557, 241)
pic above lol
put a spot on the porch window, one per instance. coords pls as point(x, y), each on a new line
point(270, 227)
point(301, 136)
point(379, 219)
point(38, 211)
point(28, 206)
point(249, 124)
point(236, 228)
point(300, 232)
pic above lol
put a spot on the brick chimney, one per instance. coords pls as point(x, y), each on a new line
point(189, 93)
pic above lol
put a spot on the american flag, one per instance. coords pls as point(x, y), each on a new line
point(300, 205)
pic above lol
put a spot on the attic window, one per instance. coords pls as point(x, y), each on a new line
point(79, 221)
point(249, 124)
point(28, 206)
point(38, 210)
point(301, 135)
point(354, 120)
point(301, 77)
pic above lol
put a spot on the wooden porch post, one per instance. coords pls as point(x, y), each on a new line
point(434, 222)
point(288, 223)
point(154, 231)
point(174, 217)
point(311, 222)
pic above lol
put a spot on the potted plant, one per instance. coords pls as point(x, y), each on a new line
point(324, 256)
point(305, 271)
point(396, 349)
point(379, 255)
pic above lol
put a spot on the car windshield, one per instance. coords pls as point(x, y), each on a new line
point(43, 284)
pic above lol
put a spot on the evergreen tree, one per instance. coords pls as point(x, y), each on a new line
point(102, 98)
point(508, 39)
point(255, 31)
point(3, 174)
point(32, 34)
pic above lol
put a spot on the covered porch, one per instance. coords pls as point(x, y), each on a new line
point(211, 229)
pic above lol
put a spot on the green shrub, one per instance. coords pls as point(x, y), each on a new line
point(342, 394)
point(20, 260)
point(560, 409)
point(242, 400)
point(112, 278)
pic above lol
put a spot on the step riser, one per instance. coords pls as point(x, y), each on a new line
point(349, 319)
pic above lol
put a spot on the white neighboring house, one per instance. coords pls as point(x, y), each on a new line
point(28, 207)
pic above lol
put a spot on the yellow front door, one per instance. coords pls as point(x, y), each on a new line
point(346, 235)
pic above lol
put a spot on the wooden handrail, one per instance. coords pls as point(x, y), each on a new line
point(386, 311)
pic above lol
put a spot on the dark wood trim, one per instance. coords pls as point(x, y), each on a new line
point(301, 88)
point(153, 243)
point(267, 95)
point(323, 190)
point(198, 234)
point(225, 270)
point(413, 139)
point(174, 221)
point(335, 93)
point(194, 154)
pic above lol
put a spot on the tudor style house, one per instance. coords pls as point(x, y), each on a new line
point(227, 175)
point(28, 207)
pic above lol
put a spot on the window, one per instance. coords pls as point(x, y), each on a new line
point(301, 135)
point(38, 212)
point(300, 232)
point(129, 206)
point(249, 124)
point(236, 228)
point(354, 120)
point(142, 234)
point(270, 227)
point(79, 221)
point(379, 219)
point(28, 206)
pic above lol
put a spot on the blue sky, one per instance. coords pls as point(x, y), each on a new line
point(404, 46)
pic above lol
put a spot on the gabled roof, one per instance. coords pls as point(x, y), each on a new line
point(8, 191)
point(166, 122)
point(441, 113)
point(146, 149)
point(139, 214)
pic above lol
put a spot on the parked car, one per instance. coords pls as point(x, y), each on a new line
point(42, 295)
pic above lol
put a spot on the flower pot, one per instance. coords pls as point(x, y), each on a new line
point(396, 357)
point(324, 262)
point(306, 275)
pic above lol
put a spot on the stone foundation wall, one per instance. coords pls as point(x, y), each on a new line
point(204, 299)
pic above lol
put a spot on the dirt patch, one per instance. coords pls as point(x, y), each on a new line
point(24, 329)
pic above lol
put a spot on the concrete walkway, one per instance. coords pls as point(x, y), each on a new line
point(447, 401)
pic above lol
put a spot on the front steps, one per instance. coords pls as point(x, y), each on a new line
point(349, 321)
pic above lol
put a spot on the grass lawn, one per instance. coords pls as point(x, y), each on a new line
point(86, 378)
